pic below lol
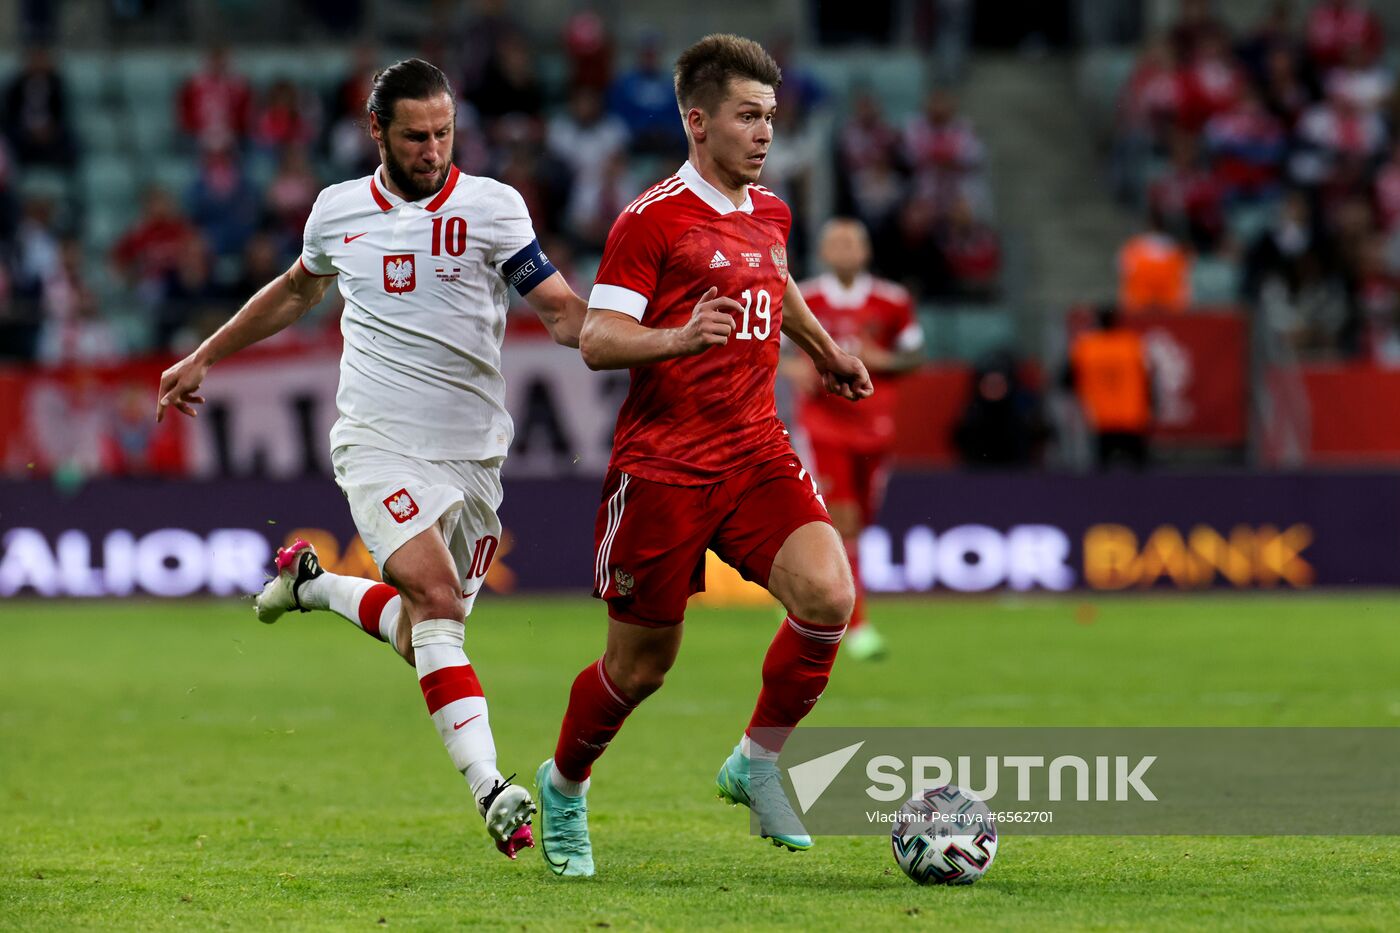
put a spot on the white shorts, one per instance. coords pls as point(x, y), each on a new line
point(394, 497)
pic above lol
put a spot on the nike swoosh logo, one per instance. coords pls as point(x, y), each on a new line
point(458, 725)
point(348, 237)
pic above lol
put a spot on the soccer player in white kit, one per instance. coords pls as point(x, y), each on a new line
point(423, 256)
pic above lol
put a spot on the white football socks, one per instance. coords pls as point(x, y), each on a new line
point(370, 606)
point(456, 701)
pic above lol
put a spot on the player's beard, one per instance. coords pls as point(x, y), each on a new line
point(413, 187)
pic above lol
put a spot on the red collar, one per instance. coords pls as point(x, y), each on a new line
point(438, 200)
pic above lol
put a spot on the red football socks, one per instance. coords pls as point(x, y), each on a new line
point(597, 709)
point(795, 672)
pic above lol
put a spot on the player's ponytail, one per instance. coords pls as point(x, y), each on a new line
point(410, 79)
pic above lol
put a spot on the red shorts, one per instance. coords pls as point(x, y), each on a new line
point(851, 476)
point(652, 537)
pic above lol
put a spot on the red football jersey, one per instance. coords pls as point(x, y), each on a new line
point(699, 419)
point(870, 311)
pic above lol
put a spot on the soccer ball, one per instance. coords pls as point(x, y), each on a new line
point(944, 836)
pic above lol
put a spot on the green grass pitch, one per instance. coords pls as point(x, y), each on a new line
point(177, 765)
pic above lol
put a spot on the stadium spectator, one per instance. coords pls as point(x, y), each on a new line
point(944, 153)
point(9, 199)
point(18, 331)
point(586, 137)
point(192, 305)
point(222, 201)
point(37, 248)
point(34, 257)
point(596, 198)
point(1336, 28)
point(906, 249)
point(1247, 146)
point(476, 38)
point(1145, 114)
point(1154, 272)
point(348, 146)
point(1148, 103)
point(589, 49)
point(802, 91)
point(1189, 197)
point(1368, 85)
point(644, 97)
point(877, 189)
point(1207, 84)
point(866, 135)
point(290, 194)
point(1002, 424)
point(509, 85)
point(150, 251)
point(1289, 251)
point(1332, 132)
point(1387, 188)
point(1286, 94)
point(287, 118)
point(36, 113)
point(1275, 33)
point(74, 329)
point(971, 253)
point(1196, 27)
point(522, 161)
point(215, 105)
point(1110, 375)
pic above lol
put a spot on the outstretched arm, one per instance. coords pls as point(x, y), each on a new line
point(277, 304)
point(842, 373)
point(614, 340)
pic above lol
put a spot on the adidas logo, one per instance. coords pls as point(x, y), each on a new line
point(718, 262)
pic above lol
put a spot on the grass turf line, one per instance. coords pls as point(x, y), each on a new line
point(177, 765)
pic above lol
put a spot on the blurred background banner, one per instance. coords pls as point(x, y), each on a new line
point(1152, 246)
point(937, 533)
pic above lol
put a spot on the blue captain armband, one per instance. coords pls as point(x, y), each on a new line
point(527, 268)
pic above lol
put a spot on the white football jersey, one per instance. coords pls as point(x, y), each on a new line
point(425, 312)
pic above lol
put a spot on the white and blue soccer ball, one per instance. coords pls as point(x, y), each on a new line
point(944, 836)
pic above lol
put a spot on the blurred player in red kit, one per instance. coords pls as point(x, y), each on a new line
point(692, 295)
point(850, 444)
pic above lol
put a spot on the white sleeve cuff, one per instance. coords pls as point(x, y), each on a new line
point(910, 339)
point(616, 298)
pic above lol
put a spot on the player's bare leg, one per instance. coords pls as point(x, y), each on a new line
point(423, 571)
point(812, 579)
point(862, 640)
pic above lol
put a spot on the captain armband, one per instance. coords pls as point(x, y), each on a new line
point(527, 268)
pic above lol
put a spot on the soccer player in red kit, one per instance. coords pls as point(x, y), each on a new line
point(691, 296)
point(850, 444)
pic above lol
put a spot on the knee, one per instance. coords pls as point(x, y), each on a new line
point(638, 678)
point(828, 600)
point(441, 600)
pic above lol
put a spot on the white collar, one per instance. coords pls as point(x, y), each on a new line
point(838, 296)
point(710, 194)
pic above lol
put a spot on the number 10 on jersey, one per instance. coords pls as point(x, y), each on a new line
point(761, 306)
point(454, 237)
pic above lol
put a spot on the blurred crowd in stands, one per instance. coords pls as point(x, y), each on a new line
point(578, 148)
point(1273, 154)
